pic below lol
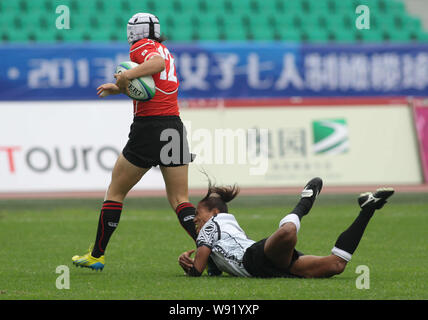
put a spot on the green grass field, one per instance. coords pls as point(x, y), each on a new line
point(36, 236)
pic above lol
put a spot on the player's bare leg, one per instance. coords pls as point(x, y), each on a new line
point(318, 267)
point(176, 183)
point(279, 247)
point(125, 176)
point(347, 242)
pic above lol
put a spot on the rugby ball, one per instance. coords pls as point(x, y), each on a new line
point(141, 89)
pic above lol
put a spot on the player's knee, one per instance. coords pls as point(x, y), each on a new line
point(287, 233)
point(338, 266)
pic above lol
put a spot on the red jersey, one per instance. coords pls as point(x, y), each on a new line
point(164, 103)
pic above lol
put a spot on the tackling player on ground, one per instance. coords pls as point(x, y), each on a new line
point(144, 146)
point(221, 237)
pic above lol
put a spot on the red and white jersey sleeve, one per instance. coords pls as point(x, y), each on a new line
point(165, 100)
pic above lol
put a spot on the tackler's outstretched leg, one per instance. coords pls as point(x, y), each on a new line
point(279, 247)
point(321, 267)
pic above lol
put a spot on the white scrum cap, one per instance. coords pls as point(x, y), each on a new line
point(142, 25)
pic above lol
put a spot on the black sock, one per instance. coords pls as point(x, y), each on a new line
point(107, 223)
point(185, 213)
point(350, 238)
point(303, 207)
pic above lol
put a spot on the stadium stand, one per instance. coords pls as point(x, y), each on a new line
point(204, 20)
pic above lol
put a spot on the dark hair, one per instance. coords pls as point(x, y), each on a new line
point(218, 197)
point(160, 40)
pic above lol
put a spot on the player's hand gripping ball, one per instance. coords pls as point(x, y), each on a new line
point(141, 89)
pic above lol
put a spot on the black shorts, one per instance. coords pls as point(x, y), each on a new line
point(157, 140)
point(258, 265)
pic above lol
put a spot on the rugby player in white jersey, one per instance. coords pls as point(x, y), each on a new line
point(221, 238)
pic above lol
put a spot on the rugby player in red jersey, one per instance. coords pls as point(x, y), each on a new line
point(143, 149)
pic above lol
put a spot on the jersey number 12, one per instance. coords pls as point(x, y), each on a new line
point(164, 52)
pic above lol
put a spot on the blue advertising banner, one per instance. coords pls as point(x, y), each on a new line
point(222, 70)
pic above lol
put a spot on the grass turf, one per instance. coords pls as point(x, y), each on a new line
point(36, 236)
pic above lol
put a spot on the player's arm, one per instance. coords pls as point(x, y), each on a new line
point(153, 65)
point(195, 267)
